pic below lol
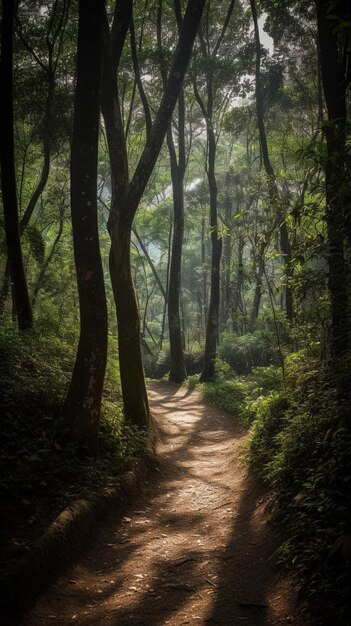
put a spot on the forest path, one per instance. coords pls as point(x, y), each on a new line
point(194, 549)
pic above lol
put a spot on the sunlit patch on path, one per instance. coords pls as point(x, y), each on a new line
point(194, 549)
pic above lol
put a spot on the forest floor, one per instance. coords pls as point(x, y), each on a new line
point(195, 548)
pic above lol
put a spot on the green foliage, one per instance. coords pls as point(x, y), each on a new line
point(41, 472)
point(237, 394)
point(157, 365)
point(270, 416)
point(36, 243)
point(298, 445)
point(228, 395)
point(243, 352)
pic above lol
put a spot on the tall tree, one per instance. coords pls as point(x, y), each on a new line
point(8, 170)
point(45, 66)
point(207, 106)
point(273, 191)
point(334, 40)
point(126, 194)
point(178, 165)
point(82, 405)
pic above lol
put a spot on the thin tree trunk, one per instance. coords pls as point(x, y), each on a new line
point(50, 70)
point(47, 260)
point(177, 371)
point(237, 292)
point(150, 262)
point(164, 315)
point(204, 275)
point(210, 355)
point(226, 263)
point(275, 200)
point(128, 322)
point(83, 401)
point(258, 291)
point(212, 330)
point(8, 171)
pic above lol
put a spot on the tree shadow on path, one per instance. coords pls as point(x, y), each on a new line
point(195, 548)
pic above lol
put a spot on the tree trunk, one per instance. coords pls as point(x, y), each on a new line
point(177, 372)
point(126, 195)
point(136, 408)
point(203, 275)
point(285, 246)
point(226, 263)
point(83, 402)
point(258, 291)
point(150, 263)
point(50, 70)
point(47, 260)
point(8, 171)
point(337, 192)
point(237, 292)
point(211, 343)
point(164, 314)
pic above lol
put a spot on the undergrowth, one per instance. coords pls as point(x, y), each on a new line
point(234, 393)
point(299, 446)
point(40, 473)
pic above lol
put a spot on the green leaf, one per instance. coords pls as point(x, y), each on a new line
point(36, 243)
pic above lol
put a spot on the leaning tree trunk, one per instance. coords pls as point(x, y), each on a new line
point(83, 402)
point(128, 322)
point(8, 171)
point(126, 195)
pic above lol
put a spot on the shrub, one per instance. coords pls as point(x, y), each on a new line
point(270, 417)
point(247, 351)
point(297, 443)
point(157, 365)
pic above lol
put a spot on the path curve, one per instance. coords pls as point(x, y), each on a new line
point(194, 549)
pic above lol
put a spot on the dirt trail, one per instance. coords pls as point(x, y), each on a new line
point(194, 549)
